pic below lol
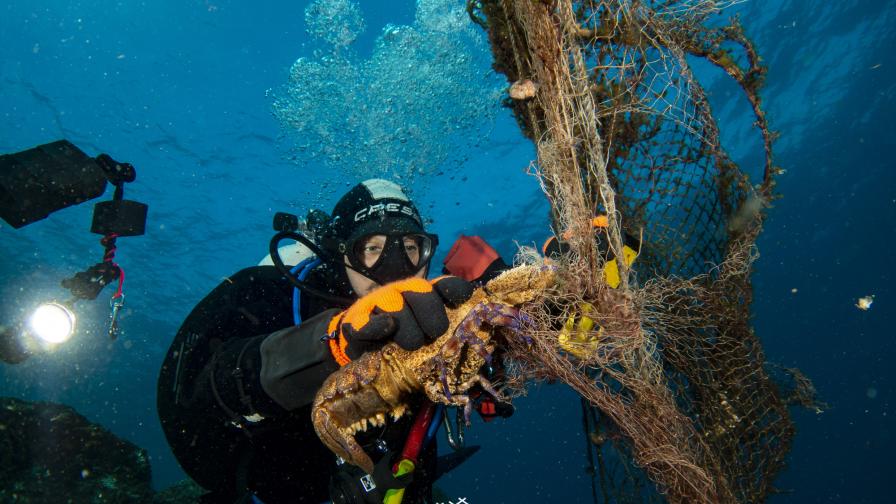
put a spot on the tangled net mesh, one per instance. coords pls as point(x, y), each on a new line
point(678, 384)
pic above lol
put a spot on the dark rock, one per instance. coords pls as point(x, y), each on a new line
point(50, 453)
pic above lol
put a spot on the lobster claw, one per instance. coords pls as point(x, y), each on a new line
point(340, 440)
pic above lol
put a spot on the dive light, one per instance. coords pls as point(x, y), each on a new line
point(52, 323)
point(35, 183)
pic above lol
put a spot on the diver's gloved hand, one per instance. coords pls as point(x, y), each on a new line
point(411, 312)
point(350, 485)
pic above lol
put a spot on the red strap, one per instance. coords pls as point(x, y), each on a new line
point(414, 442)
point(469, 257)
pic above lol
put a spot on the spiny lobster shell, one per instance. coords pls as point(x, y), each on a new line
point(363, 392)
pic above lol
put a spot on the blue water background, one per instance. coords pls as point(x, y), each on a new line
point(179, 89)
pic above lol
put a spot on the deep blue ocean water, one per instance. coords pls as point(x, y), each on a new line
point(184, 91)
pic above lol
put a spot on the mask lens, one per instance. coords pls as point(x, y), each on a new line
point(368, 249)
point(417, 248)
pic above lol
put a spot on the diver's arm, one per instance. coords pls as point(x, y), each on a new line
point(296, 361)
point(271, 374)
point(250, 302)
point(292, 364)
point(283, 371)
point(239, 349)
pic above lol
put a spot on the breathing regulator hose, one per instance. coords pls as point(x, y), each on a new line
point(285, 270)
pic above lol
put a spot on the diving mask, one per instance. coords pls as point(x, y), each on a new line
point(386, 258)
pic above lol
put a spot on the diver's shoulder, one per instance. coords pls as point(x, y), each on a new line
point(257, 274)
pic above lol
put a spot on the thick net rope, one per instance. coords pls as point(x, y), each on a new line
point(678, 384)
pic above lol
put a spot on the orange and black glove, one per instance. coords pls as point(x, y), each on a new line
point(410, 312)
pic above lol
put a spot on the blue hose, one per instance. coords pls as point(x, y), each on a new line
point(434, 424)
point(303, 268)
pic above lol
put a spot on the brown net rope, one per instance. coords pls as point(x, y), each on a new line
point(678, 381)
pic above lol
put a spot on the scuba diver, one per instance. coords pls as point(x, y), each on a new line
point(236, 387)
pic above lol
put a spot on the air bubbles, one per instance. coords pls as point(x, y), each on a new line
point(421, 100)
point(338, 22)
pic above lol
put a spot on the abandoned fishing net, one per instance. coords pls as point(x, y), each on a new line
point(675, 385)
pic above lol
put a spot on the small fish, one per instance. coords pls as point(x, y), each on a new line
point(864, 303)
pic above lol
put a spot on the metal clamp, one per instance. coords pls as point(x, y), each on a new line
point(115, 303)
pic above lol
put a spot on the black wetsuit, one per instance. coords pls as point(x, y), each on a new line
point(237, 357)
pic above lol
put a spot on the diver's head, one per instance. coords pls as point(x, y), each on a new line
point(378, 232)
